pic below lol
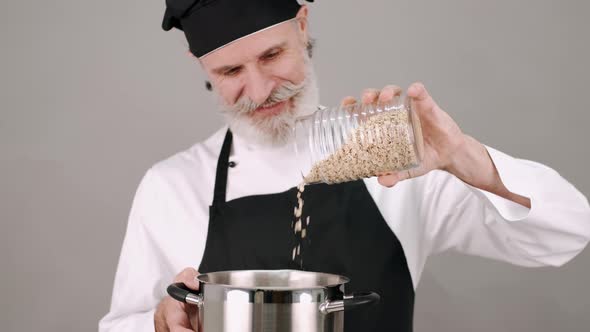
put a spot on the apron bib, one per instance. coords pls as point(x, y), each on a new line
point(346, 235)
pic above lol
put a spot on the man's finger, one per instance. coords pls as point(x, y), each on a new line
point(392, 178)
point(178, 321)
point(180, 329)
point(188, 277)
point(389, 93)
point(347, 103)
point(370, 96)
point(418, 92)
point(388, 180)
point(348, 100)
point(171, 316)
point(421, 100)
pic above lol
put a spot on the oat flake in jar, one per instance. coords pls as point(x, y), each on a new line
point(358, 141)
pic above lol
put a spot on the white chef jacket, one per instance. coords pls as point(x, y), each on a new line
point(168, 223)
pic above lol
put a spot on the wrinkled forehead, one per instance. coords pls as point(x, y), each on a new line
point(249, 47)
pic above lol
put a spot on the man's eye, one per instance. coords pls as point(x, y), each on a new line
point(272, 55)
point(232, 72)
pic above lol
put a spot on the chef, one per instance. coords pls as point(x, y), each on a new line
point(227, 203)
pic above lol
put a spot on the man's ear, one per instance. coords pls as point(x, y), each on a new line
point(302, 22)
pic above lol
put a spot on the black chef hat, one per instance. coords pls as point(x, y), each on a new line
point(211, 24)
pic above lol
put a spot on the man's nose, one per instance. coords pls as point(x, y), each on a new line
point(259, 86)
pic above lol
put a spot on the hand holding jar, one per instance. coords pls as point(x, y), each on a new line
point(380, 136)
point(442, 137)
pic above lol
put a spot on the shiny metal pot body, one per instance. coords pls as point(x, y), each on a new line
point(273, 300)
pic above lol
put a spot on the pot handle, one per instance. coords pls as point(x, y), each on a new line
point(350, 302)
point(180, 292)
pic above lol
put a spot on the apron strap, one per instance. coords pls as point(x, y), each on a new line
point(221, 174)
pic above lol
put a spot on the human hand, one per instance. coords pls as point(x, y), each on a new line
point(442, 136)
point(175, 316)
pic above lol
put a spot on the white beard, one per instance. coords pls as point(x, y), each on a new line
point(276, 130)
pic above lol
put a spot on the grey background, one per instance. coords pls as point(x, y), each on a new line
point(93, 93)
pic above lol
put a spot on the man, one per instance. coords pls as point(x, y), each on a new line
point(227, 203)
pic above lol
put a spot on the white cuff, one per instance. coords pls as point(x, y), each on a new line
point(518, 178)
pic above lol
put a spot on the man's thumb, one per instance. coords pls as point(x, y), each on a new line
point(188, 277)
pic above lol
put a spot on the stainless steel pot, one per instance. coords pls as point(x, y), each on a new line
point(271, 300)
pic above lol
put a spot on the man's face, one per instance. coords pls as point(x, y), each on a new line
point(263, 81)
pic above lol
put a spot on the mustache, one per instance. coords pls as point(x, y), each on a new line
point(286, 91)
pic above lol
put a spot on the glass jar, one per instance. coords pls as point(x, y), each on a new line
point(357, 141)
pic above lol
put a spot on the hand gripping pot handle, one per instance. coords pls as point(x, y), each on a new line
point(350, 302)
point(180, 292)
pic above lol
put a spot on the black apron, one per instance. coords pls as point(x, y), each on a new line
point(346, 235)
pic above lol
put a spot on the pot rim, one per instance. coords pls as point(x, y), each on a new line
point(203, 278)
